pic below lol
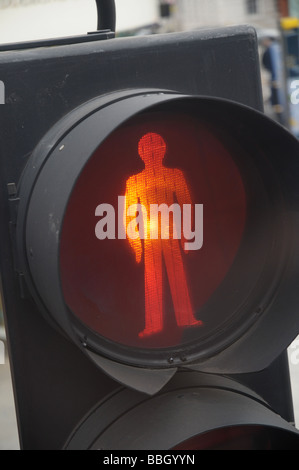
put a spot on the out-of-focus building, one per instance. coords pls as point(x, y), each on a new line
point(22, 20)
point(294, 8)
point(283, 7)
point(289, 8)
point(193, 14)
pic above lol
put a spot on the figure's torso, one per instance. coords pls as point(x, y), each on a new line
point(156, 186)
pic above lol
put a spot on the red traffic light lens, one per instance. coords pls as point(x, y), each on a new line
point(134, 271)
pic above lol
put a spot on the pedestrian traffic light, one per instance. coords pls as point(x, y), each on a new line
point(148, 238)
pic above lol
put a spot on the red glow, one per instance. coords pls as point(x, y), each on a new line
point(159, 185)
point(110, 284)
point(233, 438)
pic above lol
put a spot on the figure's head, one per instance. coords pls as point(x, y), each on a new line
point(152, 148)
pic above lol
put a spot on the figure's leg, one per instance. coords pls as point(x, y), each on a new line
point(153, 288)
point(178, 284)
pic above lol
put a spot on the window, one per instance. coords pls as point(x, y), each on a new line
point(251, 7)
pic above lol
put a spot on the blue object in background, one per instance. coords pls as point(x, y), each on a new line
point(273, 62)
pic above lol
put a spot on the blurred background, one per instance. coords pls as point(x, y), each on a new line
point(277, 26)
point(276, 22)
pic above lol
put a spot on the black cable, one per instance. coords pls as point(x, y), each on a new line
point(106, 14)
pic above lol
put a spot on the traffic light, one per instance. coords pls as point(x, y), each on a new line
point(148, 244)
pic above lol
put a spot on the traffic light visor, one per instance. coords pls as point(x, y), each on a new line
point(160, 229)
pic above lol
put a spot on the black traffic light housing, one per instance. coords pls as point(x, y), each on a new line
point(64, 100)
point(218, 414)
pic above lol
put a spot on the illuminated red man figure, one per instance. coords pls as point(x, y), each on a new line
point(152, 194)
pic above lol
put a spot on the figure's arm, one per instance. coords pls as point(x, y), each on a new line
point(184, 197)
point(181, 189)
point(131, 200)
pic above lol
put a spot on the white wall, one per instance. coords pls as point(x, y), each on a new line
point(135, 13)
point(24, 20)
